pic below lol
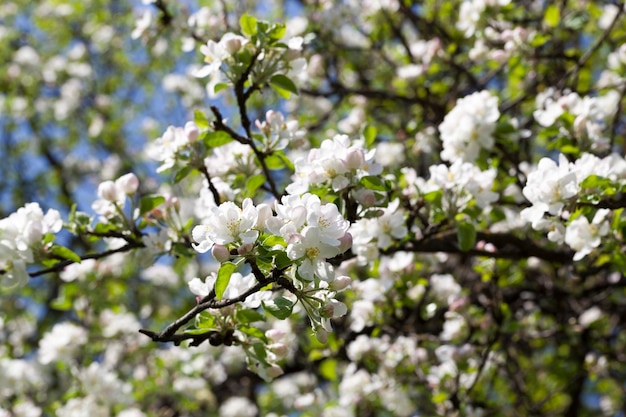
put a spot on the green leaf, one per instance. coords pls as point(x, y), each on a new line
point(277, 31)
point(285, 159)
point(369, 134)
point(254, 182)
point(149, 202)
point(252, 331)
point(216, 139)
point(552, 16)
point(281, 260)
point(223, 278)
point(249, 316)
point(182, 174)
point(593, 181)
point(201, 120)
point(466, 234)
point(248, 25)
point(274, 240)
point(328, 369)
point(274, 162)
point(219, 87)
point(372, 182)
point(279, 307)
point(65, 253)
point(284, 83)
point(205, 320)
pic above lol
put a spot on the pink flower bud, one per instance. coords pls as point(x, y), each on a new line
point(220, 253)
point(191, 131)
point(345, 242)
point(340, 283)
point(245, 249)
point(107, 191)
point(279, 349)
point(274, 371)
point(275, 334)
point(128, 183)
point(355, 159)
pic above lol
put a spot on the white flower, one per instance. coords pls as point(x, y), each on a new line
point(166, 148)
point(469, 127)
point(157, 243)
point(583, 236)
point(227, 224)
point(331, 224)
point(391, 225)
point(548, 188)
point(238, 407)
point(462, 182)
point(20, 233)
point(81, 407)
point(216, 53)
point(590, 316)
point(336, 162)
point(237, 285)
point(445, 288)
point(277, 131)
point(61, 342)
point(104, 385)
point(308, 247)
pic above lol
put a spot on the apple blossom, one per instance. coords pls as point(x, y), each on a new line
point(469, 127)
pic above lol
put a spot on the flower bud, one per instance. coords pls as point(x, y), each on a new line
point(340, 283)
point(278, 349)
point(275, 334)
point(232, 43)
point(107, 191)
point(128, 183)
point(191, 131)
point(220, 253)
point(321, 335)
point(345, 242)
point(355, 159)
point(274, 371)
point(245, 249)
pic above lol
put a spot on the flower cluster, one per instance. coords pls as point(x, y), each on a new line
point(337, 163)
point(278, 132)
point(469, 127)
point(112, 196)
point(229, 224)
point(229, 58)
point(461, 185)
point(370, 234)
point(553, 188)
point(591, 115)
point(174, 143)
point(313, 232)
point(21, 235)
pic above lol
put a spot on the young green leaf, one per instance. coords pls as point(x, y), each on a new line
point(284, 83)
point(223, 278)
point(466, 233)
point(149, 202)
point(280, 307)
point(248, 25)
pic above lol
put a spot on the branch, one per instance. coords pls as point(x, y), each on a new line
point(61, 265)
point(592, 49)
point(169, 333)
point(219, 125)
point(216, 194)
point(508, 246)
